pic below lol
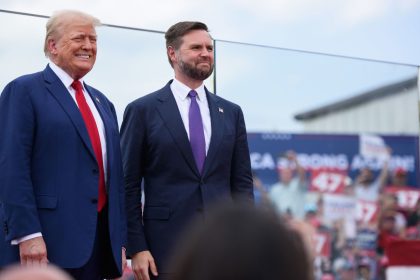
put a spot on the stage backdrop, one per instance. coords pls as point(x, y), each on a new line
point(343, 154)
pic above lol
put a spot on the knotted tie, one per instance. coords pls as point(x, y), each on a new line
point(94, 139)
point(196, 130)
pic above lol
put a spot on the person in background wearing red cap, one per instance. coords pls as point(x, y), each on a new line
point(399, 177)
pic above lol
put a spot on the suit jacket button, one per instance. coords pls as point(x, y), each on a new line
point(95, 171)
point(94, 200)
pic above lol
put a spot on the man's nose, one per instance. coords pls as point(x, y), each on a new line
point(87, 43)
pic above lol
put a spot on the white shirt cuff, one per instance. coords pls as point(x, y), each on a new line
point(27, 237)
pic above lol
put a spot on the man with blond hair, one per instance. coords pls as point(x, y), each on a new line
point(61, 184)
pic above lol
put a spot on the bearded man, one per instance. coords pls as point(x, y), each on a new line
point(189, 149)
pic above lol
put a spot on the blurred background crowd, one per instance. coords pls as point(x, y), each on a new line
point(348, 226)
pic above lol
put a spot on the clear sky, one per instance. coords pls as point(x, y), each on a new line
point(376, 29)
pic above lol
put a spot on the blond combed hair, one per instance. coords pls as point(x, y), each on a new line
point(60, 19)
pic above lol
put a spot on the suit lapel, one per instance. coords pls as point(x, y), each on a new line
point(107, 121)
point(217, 125)
point(57, 89)
point(99, 104)
point(169, 112)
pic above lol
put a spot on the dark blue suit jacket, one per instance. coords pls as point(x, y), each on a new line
point(157, 152)
point(49, 174)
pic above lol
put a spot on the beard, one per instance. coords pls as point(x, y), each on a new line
point(194, 72)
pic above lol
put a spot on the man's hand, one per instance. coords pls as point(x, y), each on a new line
point(124, 260)
point(141, 263)
point(124, 264)
point(33, 252)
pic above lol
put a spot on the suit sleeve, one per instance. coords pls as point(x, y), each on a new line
point(241, 176)
point(18, 126)
point(132, 146)
point(121, 190)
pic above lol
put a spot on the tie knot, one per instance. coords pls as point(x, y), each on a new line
point(192, 94)
point(77, 85)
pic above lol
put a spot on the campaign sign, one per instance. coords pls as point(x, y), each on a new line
point(327, 181)
point(407, 196)
point(331, 152)
point(366, 211)
point(372, 146)
point(337, 207)
point(366, 239)
point(322, 242)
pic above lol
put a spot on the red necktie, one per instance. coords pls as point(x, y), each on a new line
point(94, 139)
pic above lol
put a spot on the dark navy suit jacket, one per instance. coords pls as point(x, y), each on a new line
point(49, 174)
point(156, 152)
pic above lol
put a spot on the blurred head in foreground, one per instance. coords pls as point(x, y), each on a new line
point(34, 273)
point(238, 242)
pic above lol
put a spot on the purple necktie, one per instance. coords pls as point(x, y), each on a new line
point(197, 141)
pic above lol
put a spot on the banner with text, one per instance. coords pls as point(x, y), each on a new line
point(332, 160)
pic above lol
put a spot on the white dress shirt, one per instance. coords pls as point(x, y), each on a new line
point(67, 81)
point(180, 92)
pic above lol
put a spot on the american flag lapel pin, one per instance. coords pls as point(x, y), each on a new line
point(220, 110)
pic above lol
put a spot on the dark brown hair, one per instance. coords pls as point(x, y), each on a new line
point(175, 33)
point(238, 242)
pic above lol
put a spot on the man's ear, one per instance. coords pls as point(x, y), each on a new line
point(171, 53)
point(52, 46)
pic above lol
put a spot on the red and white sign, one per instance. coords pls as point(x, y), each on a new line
point(373, 146)
point(327, 181)
point(407, 197)
point(404, 261)
point(322, 242)
point(366, 211)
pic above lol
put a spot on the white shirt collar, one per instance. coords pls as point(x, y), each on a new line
point(63, 76)
point(182, 90)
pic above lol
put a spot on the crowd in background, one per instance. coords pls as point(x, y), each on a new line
point(348, 226)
